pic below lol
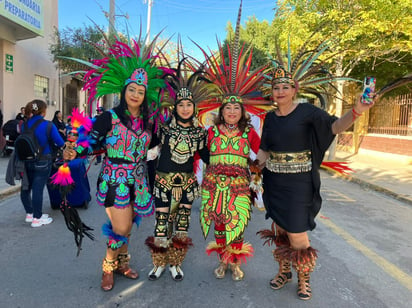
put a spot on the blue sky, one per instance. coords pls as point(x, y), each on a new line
point(200, 20)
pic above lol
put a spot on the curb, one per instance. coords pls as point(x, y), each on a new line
point(5, 193)
point(380, 189)
point(377, 188)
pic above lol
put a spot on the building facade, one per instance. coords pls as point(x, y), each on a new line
point(26, 69)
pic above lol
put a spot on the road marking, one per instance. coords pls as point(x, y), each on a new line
point(388, 267)
point(333, 195)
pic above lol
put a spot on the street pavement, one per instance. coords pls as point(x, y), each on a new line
point(370, 267)
point(387, 173)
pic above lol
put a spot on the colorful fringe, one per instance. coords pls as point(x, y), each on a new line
point(339, 167)
point(304, 260)
point(114, 240)
point(150, 242)
point(215, 247)
point(268, 235)
point(232, 253)
point(62, 178)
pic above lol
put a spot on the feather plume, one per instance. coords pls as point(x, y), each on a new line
point(233, 76)
point(399, 82)
point(308, 68)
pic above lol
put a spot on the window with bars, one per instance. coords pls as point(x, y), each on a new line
point(41, 87)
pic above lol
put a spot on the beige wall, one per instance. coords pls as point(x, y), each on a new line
point(31, 57)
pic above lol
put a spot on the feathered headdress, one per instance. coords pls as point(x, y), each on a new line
point(235, 80)
point(399, 82)
point(189, 82)
point(122, 63)
point(307, 72)
point(126, 63)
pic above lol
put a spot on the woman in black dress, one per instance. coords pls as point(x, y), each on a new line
point(59, 123)
point(294, 140)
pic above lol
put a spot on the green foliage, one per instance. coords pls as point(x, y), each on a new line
point(370, 37)
point(76, 43)
point(386, 71)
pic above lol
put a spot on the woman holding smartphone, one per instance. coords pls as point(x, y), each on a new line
point(294, 140)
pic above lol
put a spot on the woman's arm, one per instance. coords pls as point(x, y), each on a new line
point(345, 121)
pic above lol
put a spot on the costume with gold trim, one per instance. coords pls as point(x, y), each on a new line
point(226, 195)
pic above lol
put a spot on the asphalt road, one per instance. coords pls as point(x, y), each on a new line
point(363, 239)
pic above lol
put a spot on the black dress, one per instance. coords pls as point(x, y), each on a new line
point(60, 126)
point(293, 200)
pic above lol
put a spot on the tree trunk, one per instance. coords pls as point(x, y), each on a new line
point(338, 100)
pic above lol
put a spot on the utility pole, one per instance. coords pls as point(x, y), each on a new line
point(149, 18)
point(111, 19)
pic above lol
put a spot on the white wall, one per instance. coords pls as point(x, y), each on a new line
point(31, 57)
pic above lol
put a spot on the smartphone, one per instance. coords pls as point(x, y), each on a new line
point(368, 90)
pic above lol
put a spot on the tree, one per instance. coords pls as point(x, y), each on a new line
point(363, 30)
point(76, 43)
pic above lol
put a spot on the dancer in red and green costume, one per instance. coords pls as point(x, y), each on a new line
point(226, 195)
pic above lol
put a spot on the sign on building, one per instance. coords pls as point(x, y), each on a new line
point(27, 13)
point(9, 63)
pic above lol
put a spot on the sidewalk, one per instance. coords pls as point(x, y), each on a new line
point(390, 174)
point(387, 173)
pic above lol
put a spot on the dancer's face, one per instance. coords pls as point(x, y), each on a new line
point(283, 93)
point(232, 113)
point(134, 96)
point(185, 109)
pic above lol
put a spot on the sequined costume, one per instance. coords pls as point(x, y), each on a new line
point(175, 186)
point(175, 189)
point(226, 197)
point(123, 174)
point(174, 174)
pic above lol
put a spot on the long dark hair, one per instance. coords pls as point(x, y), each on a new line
point(55, 119)
point(244, 121)
point(35, 107)
point(121, 110)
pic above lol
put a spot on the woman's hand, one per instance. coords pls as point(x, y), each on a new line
point(261, 157)
point(68, 152)
point(360, 108)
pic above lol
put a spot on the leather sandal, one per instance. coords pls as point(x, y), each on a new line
point(107, 281)
point(127, 272)
point(220, 271)
point(237, 273)
point(304, 289)
point(280, 280)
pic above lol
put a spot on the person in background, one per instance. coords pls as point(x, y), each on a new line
point(21, 115)
point(38, 172)
point(61, 126)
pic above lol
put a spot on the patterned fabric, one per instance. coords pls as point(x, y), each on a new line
point(225, 189)
point(183, 141)
point(176, 183)
point(123, 175)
